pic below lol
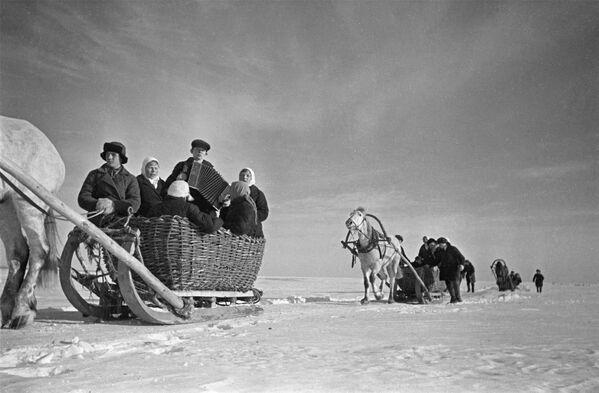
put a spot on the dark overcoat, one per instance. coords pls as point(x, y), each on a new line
point(122, 189)
point(150, 196)
point(240, 218)
point(171, 206)
point(261, 206)
point(181, 172)
point(450, 260)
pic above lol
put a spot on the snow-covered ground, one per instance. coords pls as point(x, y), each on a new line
point(315, 336)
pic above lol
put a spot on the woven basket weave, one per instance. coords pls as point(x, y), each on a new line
point(185, 259)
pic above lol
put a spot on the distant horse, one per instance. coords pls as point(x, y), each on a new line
point(376, 254)
point(29, 235)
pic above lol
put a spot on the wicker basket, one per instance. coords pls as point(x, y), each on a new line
point(185, 259)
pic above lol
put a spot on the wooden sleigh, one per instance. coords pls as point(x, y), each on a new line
point(161, 270)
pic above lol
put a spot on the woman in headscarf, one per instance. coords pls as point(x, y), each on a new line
point(241, 216)
point(247, 175)
point(150, 185)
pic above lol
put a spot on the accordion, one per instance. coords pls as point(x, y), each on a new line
point(207, 181)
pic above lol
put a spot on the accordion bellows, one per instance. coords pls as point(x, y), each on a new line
point(209, 183)
point(185, 259)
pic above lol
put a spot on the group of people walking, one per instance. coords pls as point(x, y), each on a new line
point(451, 263)
point(111, 191)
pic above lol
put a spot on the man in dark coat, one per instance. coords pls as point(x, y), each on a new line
point(451, 262)
point(468, 273)
point(538, 280)
point(423, 264)
point(110, 188)
point(150, 185)
point(175, 204)
point(199, 150)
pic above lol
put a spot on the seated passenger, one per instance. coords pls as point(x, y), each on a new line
point(175, 204)
point(199, 151)
point(247, 175)
point(110, 189)
point(150, 185)
point(241, 216)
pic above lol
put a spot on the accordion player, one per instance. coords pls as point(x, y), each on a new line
point(206, 185)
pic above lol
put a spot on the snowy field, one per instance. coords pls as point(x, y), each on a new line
point(314, 336)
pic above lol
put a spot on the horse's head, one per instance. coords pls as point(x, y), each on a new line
point(356, 219)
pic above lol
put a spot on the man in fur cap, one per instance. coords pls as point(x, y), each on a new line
point(110, 190)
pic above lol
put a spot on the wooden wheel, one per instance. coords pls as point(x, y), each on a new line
point(88, 282)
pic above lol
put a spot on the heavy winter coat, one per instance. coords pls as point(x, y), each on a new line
point(150, 196)
point(450, 260)
point(261, 206)
point(122, 189)
point(240, 218)
point(171, 206)
point(181, 172)
point(538, 279)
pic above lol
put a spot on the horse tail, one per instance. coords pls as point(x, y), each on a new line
point(49, 272)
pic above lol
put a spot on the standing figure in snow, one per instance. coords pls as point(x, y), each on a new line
point(538, 280)
point(451, 263)
point(468, 272)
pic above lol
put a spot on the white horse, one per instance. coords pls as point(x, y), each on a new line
point(378, 256)
point(29, 235)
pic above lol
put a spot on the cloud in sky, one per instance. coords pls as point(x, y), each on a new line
point(469, 119)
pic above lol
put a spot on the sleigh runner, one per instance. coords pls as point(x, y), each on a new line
point(204, 269)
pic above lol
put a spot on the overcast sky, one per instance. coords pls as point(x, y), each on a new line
point(477, 121)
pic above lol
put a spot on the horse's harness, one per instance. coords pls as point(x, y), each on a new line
point(23, 195)
point(374, 241)
point(34, 204)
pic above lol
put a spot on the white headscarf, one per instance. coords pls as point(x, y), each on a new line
point(145, 163)
point(253, 179)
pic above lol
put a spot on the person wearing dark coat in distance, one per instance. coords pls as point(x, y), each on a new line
point(175, 204)
point(199, 150)
point(538, 280)
point(110, 189)
point(451, 263)
point(424, 263)
point(247, 175)
point(468, 272)
point(150, 185)
point(241, 216)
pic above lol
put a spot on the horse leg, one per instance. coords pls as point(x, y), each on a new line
point(365, 298)
point(377, 295)
point(17, 254)
point(32, 222)
point(392, 273)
